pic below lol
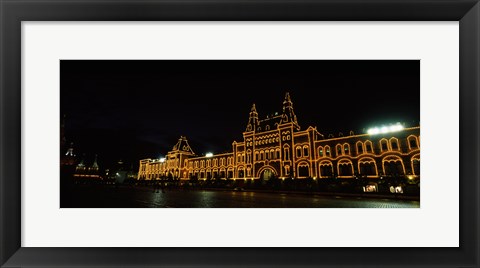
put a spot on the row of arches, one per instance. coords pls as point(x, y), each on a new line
point(267, 154)
point(216, 162)
point(367, 147)
point(390, 165)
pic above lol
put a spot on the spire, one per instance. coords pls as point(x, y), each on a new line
point(81, 166)
point(287, 98)
point(95, 164)
point(253, 119)
point(288, 115)
point(68, 159)
point(70, 150)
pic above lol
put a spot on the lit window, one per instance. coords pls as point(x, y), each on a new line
point(412, 142)
point(320, 151)
point(286, 153)
point(346, 148)
point(339, 149)
point(359, 148)
point(369, 147)
point(383, 145)
point(305, 151)
point(299, 151)
point(394, 145)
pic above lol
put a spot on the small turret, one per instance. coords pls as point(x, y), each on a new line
point(288, 115)
point(95, 164)
point(81, 166)
point(253, 119)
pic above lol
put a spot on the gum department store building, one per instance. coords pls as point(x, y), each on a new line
point(278, 147)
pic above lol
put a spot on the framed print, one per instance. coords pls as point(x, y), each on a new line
point(239, 133)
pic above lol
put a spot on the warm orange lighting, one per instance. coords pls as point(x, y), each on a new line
point(278, 143)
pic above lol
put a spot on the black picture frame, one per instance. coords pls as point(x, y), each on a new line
point(13, 12)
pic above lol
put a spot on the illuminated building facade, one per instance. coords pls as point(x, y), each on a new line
point(277, 147)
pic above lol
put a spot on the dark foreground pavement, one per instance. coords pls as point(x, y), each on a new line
point(92, 196)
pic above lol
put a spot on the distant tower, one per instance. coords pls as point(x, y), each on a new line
point(288, 115)
point(68, 159)
point(94, 167)
point(70, 150)
point(81, 166)
point(253, 119)
point(67, 156)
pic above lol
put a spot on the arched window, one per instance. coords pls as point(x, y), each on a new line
point(215, 162)
point(359, 147)
point(208, 163)
point(241, 172)
point(320, 151)
point(277, 154)
point(272, 154)
point(326, 169)
point(305, 150)
point(367, 167)
point(256, 156)
point(346, 148)
point(267, 127)
point(393, 166)
point(299, 151)
point(260, 156)
point(345, 168)
point(339, 149)
point(384, 145)
point(394, 144)
point(327, 151)
point(369, 147)
point(416, 165)
point(249, 156)
point(412, 142)
point(303, 170)
point(286, 153)
point(287, 170)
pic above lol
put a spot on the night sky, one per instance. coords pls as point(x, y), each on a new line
point(132, 110)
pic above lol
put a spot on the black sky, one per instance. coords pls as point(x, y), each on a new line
point(138, 109)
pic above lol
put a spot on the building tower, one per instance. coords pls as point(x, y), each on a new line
point(252, 120)
point(68, 159)
point(175, 159)
point(288, 115)
point(94, 167)
point(81, 166)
